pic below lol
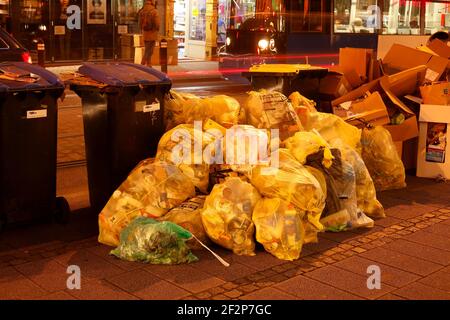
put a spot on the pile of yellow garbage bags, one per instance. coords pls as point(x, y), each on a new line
point(315, 174)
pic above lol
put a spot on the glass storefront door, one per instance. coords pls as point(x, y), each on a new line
point(99, 30)
point(126, 25)
point(82, 30)
point(67, 30)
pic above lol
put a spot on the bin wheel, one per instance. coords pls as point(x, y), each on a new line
point(62, 213)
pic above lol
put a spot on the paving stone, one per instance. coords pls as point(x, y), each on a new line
point(389, 275)
point(215, 291)
point(147, 286)
point(310, 289)
point(203, 295)
point(440, 229)
point(233, 294)
point(322, 245)
point(268, 294)
point(418, 291)
point(229, 286)
point(60, 295)
point(401, 261)
point(248, 288)
point(186, 277)
point(348, 281)
point(92, 267)
point(15, 286)
point(439, 280)
point(430, 239)
point(278, 278)
point(48, 274)
point(391, 296)
point(103, 252)
point(210, 265)
point(100, 290)
point(420, 251)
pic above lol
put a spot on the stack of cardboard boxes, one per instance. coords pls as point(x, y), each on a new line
point(409, 85)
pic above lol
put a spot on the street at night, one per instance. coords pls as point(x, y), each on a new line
point(248, 150)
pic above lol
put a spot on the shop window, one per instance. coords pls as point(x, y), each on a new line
point(197, 23)
point(4, 13)
point(241, 11)
point(360, 16)
point(437, 16)
point(255, 15)
point(306, 15)
point(401, 17)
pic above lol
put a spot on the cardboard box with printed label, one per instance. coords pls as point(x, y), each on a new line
point(433, 156)
point(436, 93)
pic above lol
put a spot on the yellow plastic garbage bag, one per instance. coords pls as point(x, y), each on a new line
point(292, 182)
point(225, 110)
point(279, 228)
point(151, 190)
point(382, 160)
point(227, 215)
point(365, 188)
point(247, 146)
point(303, 144)
point(179, 107)
point(300, 102)
point(188, 216)
point(332, 127)
point(178, 147)
point(272, 110)
point(182, 108)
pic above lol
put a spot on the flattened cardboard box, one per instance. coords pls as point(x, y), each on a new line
point(439, 48)
point(334, 84)
point(400, 83)
point(400, 58)
point(433, 156)
point(359, 113)
point(357, 59)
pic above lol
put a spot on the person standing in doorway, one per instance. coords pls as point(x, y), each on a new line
point(149, 24)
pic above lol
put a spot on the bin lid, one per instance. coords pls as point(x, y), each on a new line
point(22, 76)
point(122, 74)
point(286, 69)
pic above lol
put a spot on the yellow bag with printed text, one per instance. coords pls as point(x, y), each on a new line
point(227, 215)
point(180, 140)
point(151, 190)
point(279, 228)
point(188, 216)
point(292, 182)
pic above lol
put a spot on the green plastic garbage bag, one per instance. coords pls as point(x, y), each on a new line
point(150, 241)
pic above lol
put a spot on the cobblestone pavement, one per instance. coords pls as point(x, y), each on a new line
point(411, 246)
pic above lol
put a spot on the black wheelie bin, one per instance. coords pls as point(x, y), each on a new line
point(28, 139)
point(123, 107)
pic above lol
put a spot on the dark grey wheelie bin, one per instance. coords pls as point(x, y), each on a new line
point(123, 107)
point(28, 139)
